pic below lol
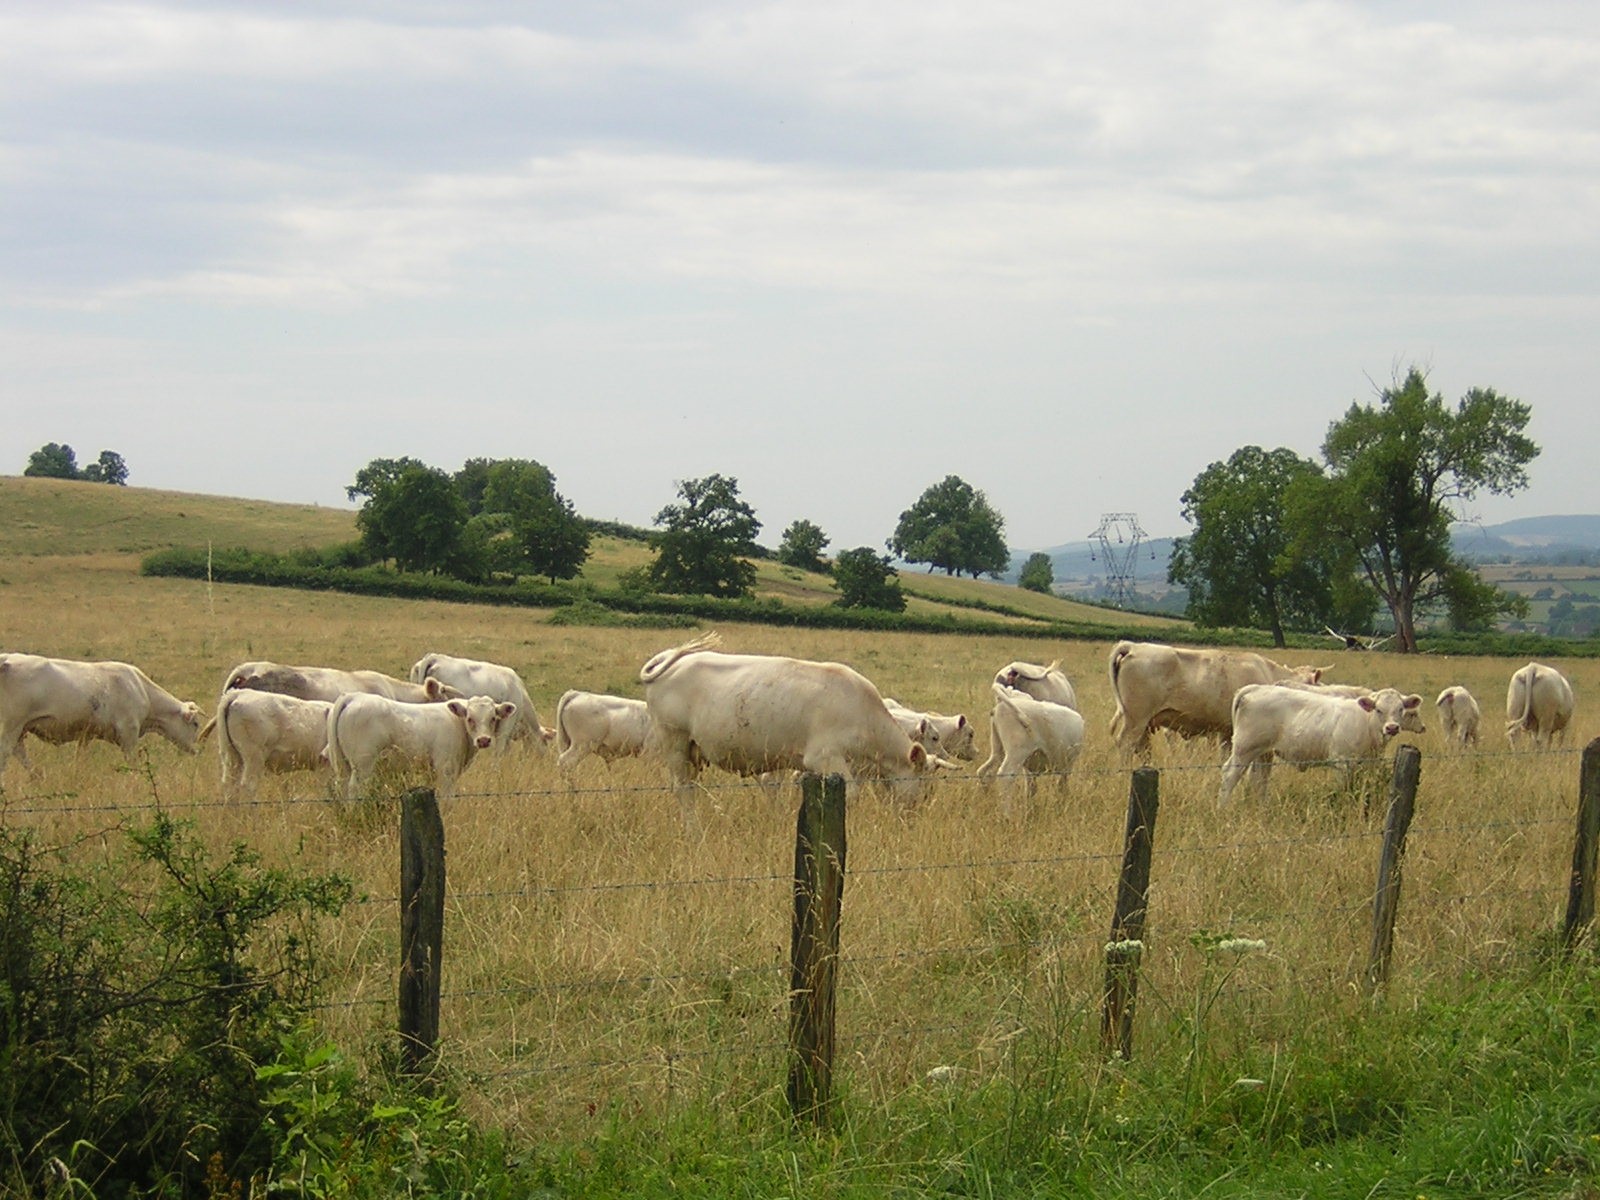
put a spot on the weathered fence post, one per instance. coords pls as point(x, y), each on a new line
point(421, 925)
point(814, 948)
point(1126, 944)
point(1580, 891)
point(1386, 902)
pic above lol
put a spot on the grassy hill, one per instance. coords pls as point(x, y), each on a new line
point(44, 517)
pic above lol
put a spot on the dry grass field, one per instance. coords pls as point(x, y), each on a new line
point(599, 959)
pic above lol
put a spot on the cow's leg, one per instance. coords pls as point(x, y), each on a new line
point(11, 743)
point(1232, 770)
point(996, 753)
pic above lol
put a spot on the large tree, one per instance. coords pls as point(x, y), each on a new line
point(1397, 471)
point(952, 527)
point(802, 546)
point(53, 460)
point(413, 514)
point(1242, 565)
point(1038, 574)
point(110, 468)
point(547, 537)
point(866, 579)
point(704, 539)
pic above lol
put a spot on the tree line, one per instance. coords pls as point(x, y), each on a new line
point(504, 518)
point(57, 460)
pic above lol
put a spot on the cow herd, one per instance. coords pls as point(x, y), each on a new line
point(755, 715)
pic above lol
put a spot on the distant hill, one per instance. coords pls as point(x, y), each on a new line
point(1529, 539)
point(1080, 565)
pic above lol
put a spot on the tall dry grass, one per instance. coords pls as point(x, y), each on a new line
point(599, 959)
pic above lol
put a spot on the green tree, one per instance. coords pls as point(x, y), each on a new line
point(802, 546)
point(703, 538)
point(1397, 470)
point(472, 480)
point(1038, 575)
point(1242, 565)
point(866, 579)
point(952, 527)
point(547, 537)
point(108, 468)
point(414, 516)
point(53, 460)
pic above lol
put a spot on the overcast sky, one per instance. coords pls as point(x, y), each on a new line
point(1070, 252)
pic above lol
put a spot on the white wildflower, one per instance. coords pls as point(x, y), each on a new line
point(1126, 946)
point(1239, 945)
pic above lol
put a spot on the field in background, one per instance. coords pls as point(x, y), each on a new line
point(598, 957)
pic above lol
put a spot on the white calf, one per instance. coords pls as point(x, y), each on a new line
point(1042, 683)
point(611, 727)
point(1028, 735)
point(266, 731)
point(1304, 727)
point(939, 735)
point(444, 737)
point(1458, 715)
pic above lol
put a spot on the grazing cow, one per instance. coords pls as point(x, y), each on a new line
point(939, 735)
point(611, 727)
point(63, 700)
point(754, 714)
point(1458, 715)
point(445, 737)
point(329, 683)
point(266, 731)
point(1028, 735)
point(469, 677)
point(1302, 727)
point(1539, 701)
point(1042, 683)
point(1187, 691)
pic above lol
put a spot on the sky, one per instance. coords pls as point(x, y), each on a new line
point(1073, 253)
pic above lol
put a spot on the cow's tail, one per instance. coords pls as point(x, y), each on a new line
point(336, 755)
point(1004, 695)
point(1523, 680)
point(225, 742)
point(654, 669)
point(563, 738)
point(1119, 719)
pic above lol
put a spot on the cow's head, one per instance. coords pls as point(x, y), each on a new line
point(483, 718)
point(1396, 712)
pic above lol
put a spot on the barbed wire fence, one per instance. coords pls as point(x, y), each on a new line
point(764, 980)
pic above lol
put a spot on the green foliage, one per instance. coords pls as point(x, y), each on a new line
point(1396, 471)
point(413, 515)
point(1038, 574)
point(802, 546)
point(866, 579)
point(704, 539)
point(57, 460)
point(953, 527)
point(1243, 566)
point(134, 1004)
point(53, 460)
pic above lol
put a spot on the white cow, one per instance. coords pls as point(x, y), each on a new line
point(266, 731)
point(1303, 727)
point(470, 677)
point(611, 727)
point(1028, 735)
point(1186, 690)
point(1458, 715)
point(1410, 718)
point(1539, 701)
point(329, 683)
point(755, 714)
point(444, 737)
point(939, 735)
point(63, 700)
point(1042, 683)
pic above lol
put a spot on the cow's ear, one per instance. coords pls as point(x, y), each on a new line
point(961, 721)
point(457, 708)
point(1413, 701)
point(922, 728)
point(505, 711)
point(430, 687)
point(919, 755)
point(1367, 702)
point(1316, 675)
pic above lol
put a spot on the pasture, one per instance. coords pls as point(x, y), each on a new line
point(601, 964)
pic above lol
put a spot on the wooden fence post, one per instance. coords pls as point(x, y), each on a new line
point(1125, 947)
point(421, 925)
point(1386, 902)
point(819, 851)
point(1580, 891)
